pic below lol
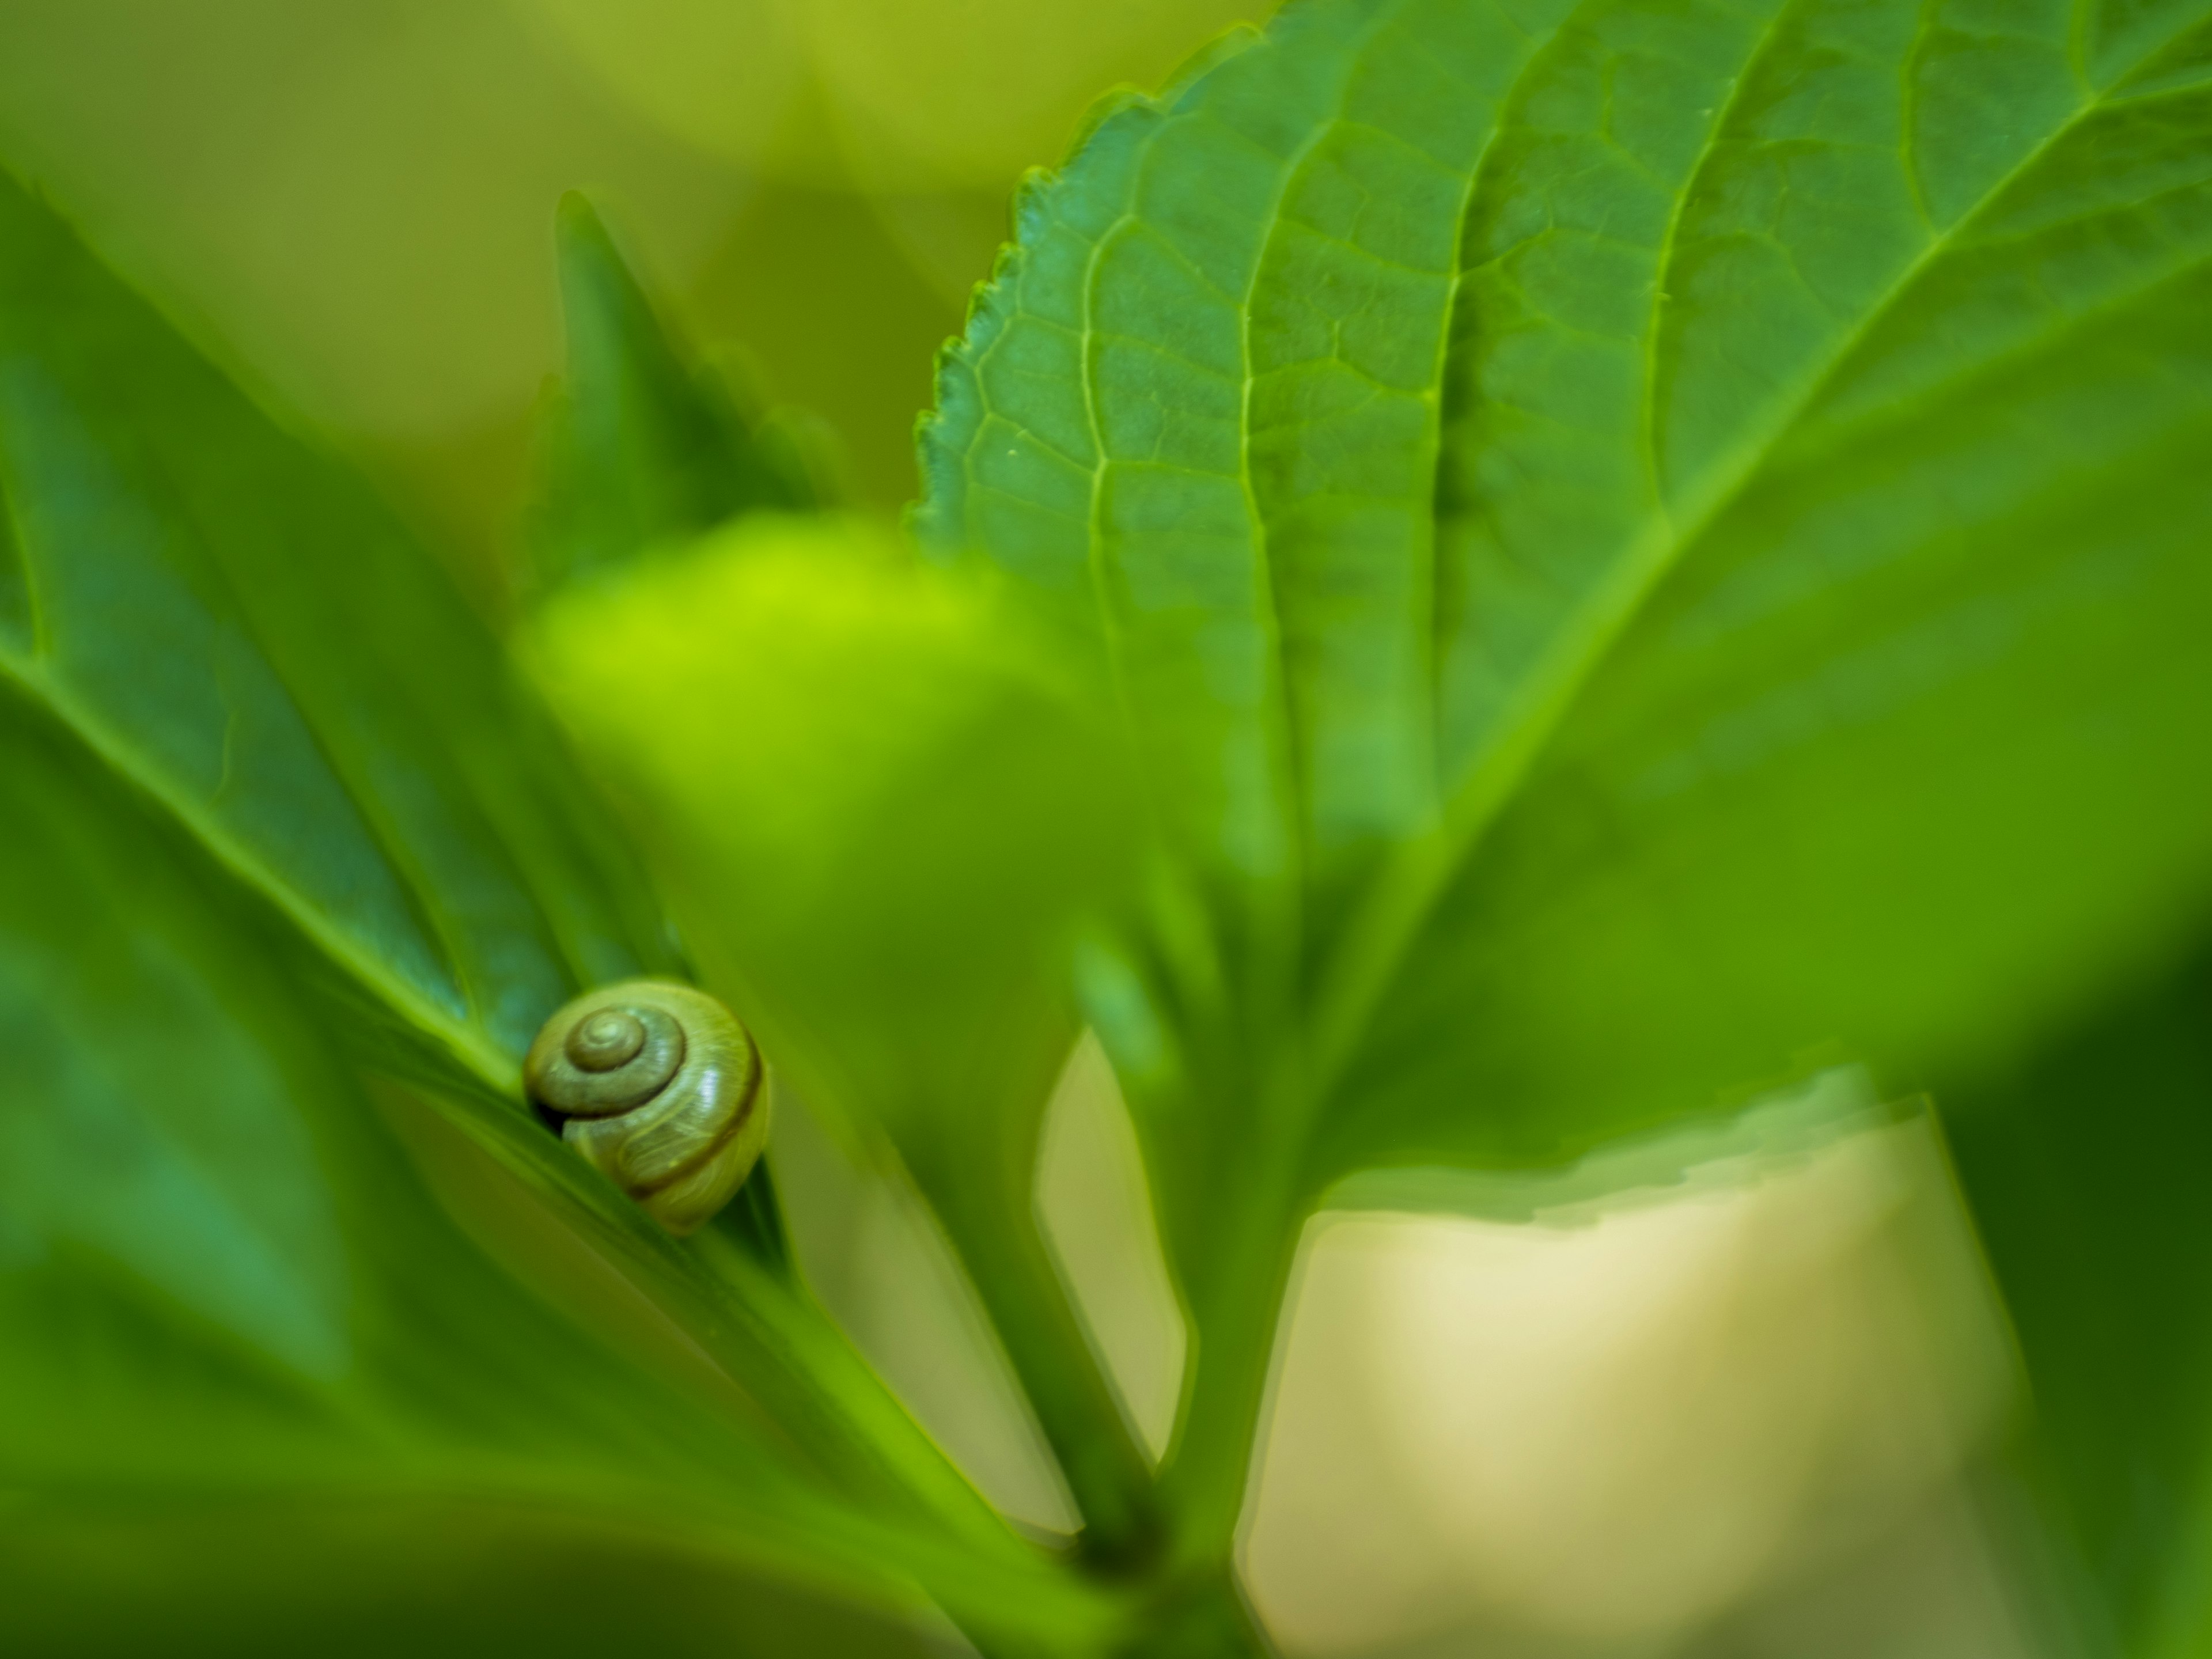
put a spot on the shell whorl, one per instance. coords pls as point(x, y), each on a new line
point(658, 1085)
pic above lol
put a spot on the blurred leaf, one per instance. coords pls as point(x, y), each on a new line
point(1632, 540)
point(882, 814)
point(229, 1578)
point(639, 449)
point(2087, 1163)
point(817, 288)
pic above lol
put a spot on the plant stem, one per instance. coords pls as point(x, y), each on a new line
point(1083, 1421)
point(1237, 1282)
point(1203, 1487)
point(986, 1204)
point(1201, 1616)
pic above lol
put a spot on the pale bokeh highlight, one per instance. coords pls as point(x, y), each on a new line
point(1632, 1419)
point(1095, 1210)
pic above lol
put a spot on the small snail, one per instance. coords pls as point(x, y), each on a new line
point(659, 1086)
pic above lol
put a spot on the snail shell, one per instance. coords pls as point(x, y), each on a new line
point(657, 1085)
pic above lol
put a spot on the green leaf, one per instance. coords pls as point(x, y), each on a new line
point(224, 617)
point(1887, 757)
point(2086, 1164)
point(381, 1574)
point(881, 814)
point(217, 1271)
point(224, 1290)
point(1634, 539)
point(210, 618)
point(639, 447)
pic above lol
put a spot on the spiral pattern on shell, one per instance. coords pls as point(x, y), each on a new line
point(659, 1086)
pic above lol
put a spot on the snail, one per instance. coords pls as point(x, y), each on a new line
point(658, 1085)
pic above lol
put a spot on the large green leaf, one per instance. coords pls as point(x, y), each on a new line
point(203, 615)
point(1635, 540)
point(225, 1293)
point(1889, 758)
point(227, 618)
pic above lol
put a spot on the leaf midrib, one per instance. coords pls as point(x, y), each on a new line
point(1281, 733)
point(464, 1041)
point(1417, 875)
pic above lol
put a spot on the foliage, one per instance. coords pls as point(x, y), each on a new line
point(1489, 576)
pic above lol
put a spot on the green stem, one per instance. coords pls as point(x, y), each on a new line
point(831, 1401)
point(1203, 1486)
point(1107, 1471)
point(1236, 1280)
point(1199, 1616)
point(983, 1190)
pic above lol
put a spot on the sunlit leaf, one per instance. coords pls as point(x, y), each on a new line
point(1634, 541)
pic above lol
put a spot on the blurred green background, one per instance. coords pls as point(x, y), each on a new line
point(352, 200)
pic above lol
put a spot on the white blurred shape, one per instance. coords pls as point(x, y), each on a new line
point(1614, 1422)
point(1095, 1209)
